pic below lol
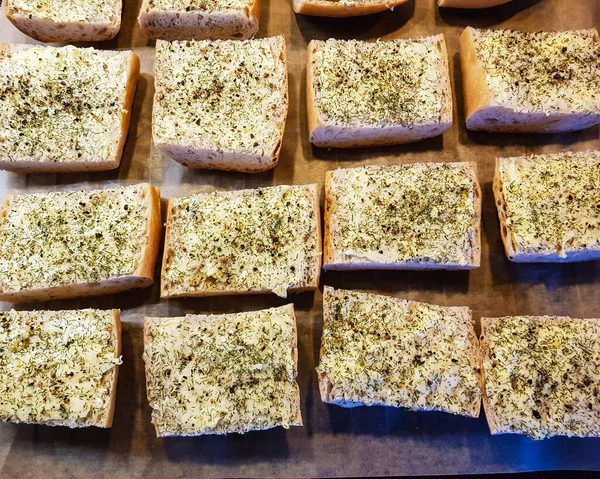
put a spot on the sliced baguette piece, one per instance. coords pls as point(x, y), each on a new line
point(540, 375)
point(543, 82)
point(62, 21)
point(383, 351)
point(266, 240)
point(59, 368)
point(220, 374)
point(190, 20)
point(221, 104)
point(377, 93)
point(64, 109)
point(415, 216)
point(69, 244)
point(471, 3)
point(344, 8)
point(549, 206)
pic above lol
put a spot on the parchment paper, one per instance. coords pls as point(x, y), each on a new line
point(334, 441)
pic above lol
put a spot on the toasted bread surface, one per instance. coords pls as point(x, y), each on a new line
point(221, 374)
point(221, 104)
point(66, 20)
point(78, 243)
point(540, 375)
point(239, 242)
point(540, 82)
point(415, 216)
point(377, 93)
point(380, 350)
point(548, 206)
point(59, 367)
point(71, 115)
point(185, 20)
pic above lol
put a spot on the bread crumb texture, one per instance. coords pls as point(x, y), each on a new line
point(69, 11)
point(383, 83)
point(72, 237)
point(250, 240)
point(221, 95)
point(541, 375)
point(222, 374)
point(549, 72)
point(61, 104)
point(379, 350)
point(57, 366)
point(552, 202)
point(421, 212)
point(208, 6)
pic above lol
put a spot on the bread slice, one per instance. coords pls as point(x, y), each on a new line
point(471, 3)
point(69, 244)
point(221, 104)
point(266, 240)
point(541, 375)
point(344, 8)
point(377, 93)
point(64, 109)
point(220, 374)
point(62, 21)
point(383, 351)
point(543, 82)
point(59, 368)
point(549, 206)
point(192, 20)
point(414, 216)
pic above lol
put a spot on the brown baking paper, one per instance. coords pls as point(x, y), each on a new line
point(334, 441)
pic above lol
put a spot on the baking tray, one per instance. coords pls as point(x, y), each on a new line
point(334, 441)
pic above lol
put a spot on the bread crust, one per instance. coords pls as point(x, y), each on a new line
point(476, 93)
point(482, 112)
point(110, 411)
point(367, 136)
point(29, 166)
point(199, 25)
point(490, 413)
point(330, 261)
point(322, 8)
point(225, 159)
point(471, 3)
point(141, 278)
point(48, 31)
point(166, 292)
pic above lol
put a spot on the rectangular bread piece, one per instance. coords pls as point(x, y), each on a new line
point(549, 206)
point(543, 82)
point(540, 375)
point(192, 20)
point(414, 216)
point(59, 368)
point(377, 93)
point(379, 350)
point(471, 3)
point(266, 240)
point(64, 109)
point(64, 21)
point(69, 244)
point(221, 104)
point(221, 374)
point(344, 8)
